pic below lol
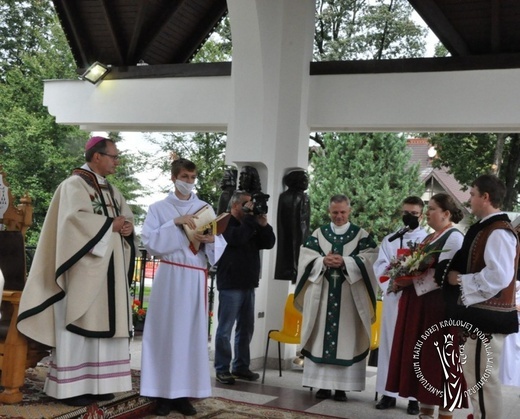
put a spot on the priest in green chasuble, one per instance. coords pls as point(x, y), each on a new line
point(336, 292)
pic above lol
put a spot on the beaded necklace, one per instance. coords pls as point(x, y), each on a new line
point(436, 235)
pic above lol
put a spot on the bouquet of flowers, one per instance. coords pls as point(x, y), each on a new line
point(409, 265)
point(138, 311)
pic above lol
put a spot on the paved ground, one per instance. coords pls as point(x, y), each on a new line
point(287, 391)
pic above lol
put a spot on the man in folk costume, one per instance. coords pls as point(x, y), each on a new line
point(76, 299)
point(337, 293)
point(481, 292)
point(175, 355)
point(412, 213)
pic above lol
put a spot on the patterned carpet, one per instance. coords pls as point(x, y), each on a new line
point(220, 408)
point(37, 405)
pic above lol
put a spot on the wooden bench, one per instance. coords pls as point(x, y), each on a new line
point(17, 353)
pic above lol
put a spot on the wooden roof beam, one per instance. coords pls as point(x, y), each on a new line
point(436, 20)
point(163, 18)
point(136, 33)
point(72, 21)
point(109, 19)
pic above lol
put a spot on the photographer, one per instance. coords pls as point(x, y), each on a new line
point(238, 274)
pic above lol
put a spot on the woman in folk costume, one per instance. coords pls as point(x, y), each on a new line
point(175, 359)
point(336, 292)
point(76, 299)
point(425, 362)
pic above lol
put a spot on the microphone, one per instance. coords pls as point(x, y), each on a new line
point(411, 224)
point(400, 233)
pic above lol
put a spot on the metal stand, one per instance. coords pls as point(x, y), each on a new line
point(211, 298)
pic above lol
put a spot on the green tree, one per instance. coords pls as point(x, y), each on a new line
point(218, 47)
point(205, 149)
point(23, 27)
point(469, 155)
point(372, 169)
point(362, 29)
point(35, 152)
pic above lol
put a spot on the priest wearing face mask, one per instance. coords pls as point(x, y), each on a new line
point(412, 210)
point(175, 352)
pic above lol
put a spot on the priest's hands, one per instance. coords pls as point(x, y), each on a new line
point(127, 229)
point(333, 260)
point(122, 226)
point(117, 224)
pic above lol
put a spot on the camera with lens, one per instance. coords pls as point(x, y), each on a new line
point(259, 199)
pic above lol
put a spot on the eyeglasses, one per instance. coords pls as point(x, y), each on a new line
point(112, 156)
point(414, 213)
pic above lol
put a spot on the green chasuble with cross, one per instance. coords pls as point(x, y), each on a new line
point(338, 305)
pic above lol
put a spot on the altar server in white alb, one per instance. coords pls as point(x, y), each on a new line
point(412, 210)
point(175, 359)
point(76, 298)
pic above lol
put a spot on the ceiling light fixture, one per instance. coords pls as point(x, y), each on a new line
point(95, 73)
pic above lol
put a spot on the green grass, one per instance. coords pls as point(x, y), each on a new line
point(146, 298)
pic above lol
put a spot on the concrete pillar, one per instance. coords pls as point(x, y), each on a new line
point(272, 51)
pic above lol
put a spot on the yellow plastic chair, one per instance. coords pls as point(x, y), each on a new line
point(290, 332)
point(376, 327)
point(375, 336)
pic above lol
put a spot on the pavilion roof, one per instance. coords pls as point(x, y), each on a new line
point(167, 33)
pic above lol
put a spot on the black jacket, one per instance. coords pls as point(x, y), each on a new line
point(239, 265)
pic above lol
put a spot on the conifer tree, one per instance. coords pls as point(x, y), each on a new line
point(372, 169)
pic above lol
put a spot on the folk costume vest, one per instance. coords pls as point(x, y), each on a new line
point(497, 314)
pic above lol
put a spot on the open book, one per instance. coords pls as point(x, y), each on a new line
point(206, 223)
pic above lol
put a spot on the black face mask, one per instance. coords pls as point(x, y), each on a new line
point(411, 221)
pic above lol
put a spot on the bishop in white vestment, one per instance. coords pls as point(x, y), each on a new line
point(76, 299)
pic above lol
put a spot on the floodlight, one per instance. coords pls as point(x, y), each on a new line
point(95, 73)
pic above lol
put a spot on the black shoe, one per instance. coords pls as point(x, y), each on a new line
point(413, 407)
point(103, 397)
point(225, 378)
point(183, 406)
point(246, 375)
point(323, 394)
point(386, 402)
point(163, 407)
point(83, 400)
point(340, 396)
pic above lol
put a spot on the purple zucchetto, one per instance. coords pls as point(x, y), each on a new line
point(93, 141)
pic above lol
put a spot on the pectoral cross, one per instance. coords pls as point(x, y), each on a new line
point(335, 277)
